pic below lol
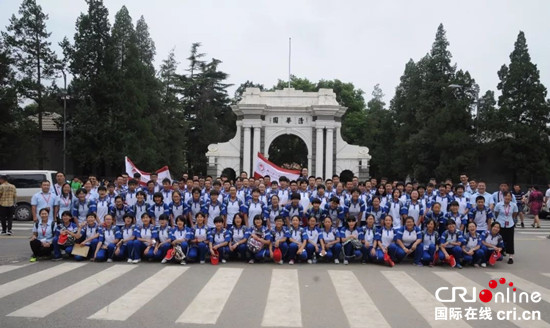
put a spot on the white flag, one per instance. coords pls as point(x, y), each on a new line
point(163, 173)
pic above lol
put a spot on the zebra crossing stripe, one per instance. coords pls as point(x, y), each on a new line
point(523, 284)
point(283, 308)
point(132, 301)
point(207, 306)
point(546, 274)
point(457, 279)
point(421, 299)
point(66, 296)
point(36, 278)
point(8, 268)
point(354, 300)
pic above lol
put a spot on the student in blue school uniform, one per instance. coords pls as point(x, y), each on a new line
point(430, 243)
point(213, 208)
point(293, 209)
point(463, 201)
point(259, 241)
point(181, 236)
point(331, 248)
point(442, 198)
point(297, 241)
point(239, 236)
point(481, 215)
point(140, 207)
point(271, 211)
point(163, 238)
point(103, 203)
point(66, 228)
point(176, 207)
point(355, 206)
point(194, 206)
point(89, 236)
point(393, 208)
point(233, 206)
point(313, 246)
point(450, 250)
point(280, 235)
point(314, 211)
point(472, 246)
point(352, 240)
point(385, 236)
point(454, 214)
point(408, 239)
point(199, 243)
point(149, 193)
point(144, 242)
point(335, 212)
point(493, 243)
point(369, 241)
point(130, 198)
point(438, 216)
point(166, 191)
point(377, 210)
point(118, 211)
point(43, 233)
point(109, 236)
point(219, 240)
point(158, 208)
point(83, 207)
point(414, 208)
point(65, 200)
point(254, 207)
point(124, 246)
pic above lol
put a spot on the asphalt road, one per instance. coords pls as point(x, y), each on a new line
point(70, 294)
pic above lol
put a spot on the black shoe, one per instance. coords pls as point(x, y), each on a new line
point(3, 233)
point(9, 233)
point(510, 261)
point(523, 225)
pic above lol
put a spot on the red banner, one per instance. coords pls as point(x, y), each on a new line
point(264, 167)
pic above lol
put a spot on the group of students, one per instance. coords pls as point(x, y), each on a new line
point(384, 224)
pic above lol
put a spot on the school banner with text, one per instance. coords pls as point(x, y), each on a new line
point(131, 168)
point(264, 167)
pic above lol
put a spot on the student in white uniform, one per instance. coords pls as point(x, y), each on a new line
point(335, 212)
point(280, 236)
point(385, 244)
point(130, 198)
point(65, 200)
point(119, 210)
point(219, 239)
point(103, 204)
point(272, 211)
point(109, 236)
point(194, 206)
point(463, 201)
point(297, 241)
point(125, 244)
point(82, 207)
point(233, 206)
point(414, 208)
point(253, 207)
point(239, 236)
point(199, 243)
point(481, 215)
point(472, 246)
point(506, 213)
point(393, 208)
point(355, 206)
point(43, 233)
point(454, 214)
point(89, 236)
point(176, 207)
point(140, 207)
point(331, 247)
point(293, 209)
point(144, 242)
point(313, 246)
point(213, 209)
point(158, 208)
point(408, 240)
point(163, 239)
point(430, 243)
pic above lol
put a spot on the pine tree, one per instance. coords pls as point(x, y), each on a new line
point(526, 114)
point(27, 40)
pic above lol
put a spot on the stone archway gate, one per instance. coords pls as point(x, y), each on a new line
point(315, 117)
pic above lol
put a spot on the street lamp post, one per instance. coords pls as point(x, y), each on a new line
point(64, 121)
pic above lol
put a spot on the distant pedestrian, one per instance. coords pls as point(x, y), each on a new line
point(8, 199)
point(535, 205)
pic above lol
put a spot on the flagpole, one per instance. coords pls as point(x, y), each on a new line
point(289, 58)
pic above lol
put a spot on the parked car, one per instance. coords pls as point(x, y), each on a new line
point(27, 184)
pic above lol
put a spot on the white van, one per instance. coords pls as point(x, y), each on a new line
point(27, 184)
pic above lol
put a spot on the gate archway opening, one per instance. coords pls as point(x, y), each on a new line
point(287, 150)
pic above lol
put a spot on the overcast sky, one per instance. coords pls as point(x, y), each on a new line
point(363, 42)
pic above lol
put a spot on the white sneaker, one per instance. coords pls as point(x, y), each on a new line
point(336, 261)
point(130, 261)
point(202, 262)
point(224, 261)
point(280, 262)
point(251, 262)
point(136, 261)
point(163, 261)
point(291, 262)
point(183, 262)
point(483, 265)
point(109, 260)
point(346, 262)
point(309, 261)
